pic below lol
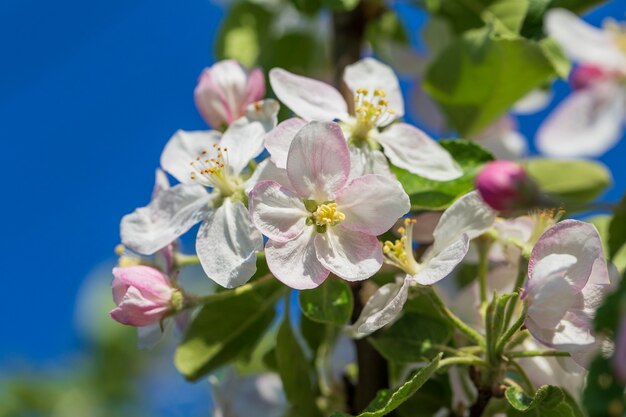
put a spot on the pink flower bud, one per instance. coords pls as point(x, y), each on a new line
point(225, 90)
point(143, 295)
point(504, 185)
point(585, 75)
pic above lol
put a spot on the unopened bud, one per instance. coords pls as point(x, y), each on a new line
point(505, 185)
point(585, 75)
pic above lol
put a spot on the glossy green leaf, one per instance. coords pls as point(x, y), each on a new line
point(435, 394)
point(294, 372)
point(617, 229)
point(549, 401)
point(571, 180)
point(330, 303)
point(437, 195)
point(412, 338)
point(477, 78)
point(226, 328)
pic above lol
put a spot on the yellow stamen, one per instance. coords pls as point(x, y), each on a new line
point(400, 251)
point(328, 215)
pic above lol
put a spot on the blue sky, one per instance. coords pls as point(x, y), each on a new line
point(89, 94)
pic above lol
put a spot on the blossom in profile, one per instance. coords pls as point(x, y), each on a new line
point(591, 120)
point(143, 296)
point(225, 90)
point(505, 185)
point(212, 170)
point(465, 219)
point(377, 104)
point(321, 222)
point(567, 279)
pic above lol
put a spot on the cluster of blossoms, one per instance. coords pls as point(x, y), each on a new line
point(318, 203)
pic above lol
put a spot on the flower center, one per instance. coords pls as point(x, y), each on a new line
point(327, 214)
point(371, 109)
point(400, 252)
point(211, 169)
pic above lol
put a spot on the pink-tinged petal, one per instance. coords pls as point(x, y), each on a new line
point(440, 265)
point(318, 163)
point(227, 244)
point(277, 211)
point(170, 214)
point(383, 307)
point(146, 279)
point(279, 139)
point(353, 256)
point(577, 239)
point(373, 75)
point(267, 171)
point(583, 42)
point(255, 88)
point(586, 124)
point(185, 147)
point(134, 311)
point(244, 138)
point(410, 148)
point(294, 262)
point(467, 215)
point(308, 98)
point(364, 161)
point(364, 208)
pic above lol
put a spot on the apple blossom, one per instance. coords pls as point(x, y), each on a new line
point(225, 90)
point(321, 222)
point(143, 296)
point(590, 121)
point(377, 103)
point(465, 219)
point(210, 167)
point(567, 278)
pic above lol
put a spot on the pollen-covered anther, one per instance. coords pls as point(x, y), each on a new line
point(400, 251)
point(371, 109)
point(328, 215)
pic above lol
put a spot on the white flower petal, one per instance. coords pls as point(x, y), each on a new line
point(583, 42)
point(277, 211)
point(364, 161)
point(353, 256)
point(381, 309)
point(183, 148)
point(469, 214)
point(295, 263)
point(586, 124)
point(227, 244)
point(170, 214)
point(410, 148)
point(364, 208)
point(533, 102)
point(279, 140)
point(244, 138)
point(374, 75)
point(308, 98)
point(160, 182)
point(319, 161)
point(441, 264)
point(267, 171)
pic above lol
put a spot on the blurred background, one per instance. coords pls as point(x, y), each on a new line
point(89, 94)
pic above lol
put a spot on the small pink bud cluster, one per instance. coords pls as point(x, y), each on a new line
point(505, 185)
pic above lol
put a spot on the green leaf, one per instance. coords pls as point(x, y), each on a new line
point(555, 54)
point(341, 5)
point(330, 303)
point(412, 338)
point(549, 401)
point(294, 372)
point(506, 15)
point(617, 229)
point(602, 222)
point(307, 7)
point(437, 195)
point(226, 328)
point(435, 394)
point(577, 6)
point(389, 399)
point(603, 395)
point(571, 180)
point(477, 78)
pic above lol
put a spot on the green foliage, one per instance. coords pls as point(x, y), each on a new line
point(431, 397)
point(330, 303)
point(602, 222)
point(617, 229)
point(341, 5)
point(293, 369)
point(226, 328)
point(412, 338)
point(548, 401)
point(577, 181)
point(603, 395)
point(480, 75)
point(437, 195)
point(389, 399)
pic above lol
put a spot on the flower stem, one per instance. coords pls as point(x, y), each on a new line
point(462, 360)
point(504, 339)
point(483, 267)
point(209, 298)
point(460, 325)
point(534, 353)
